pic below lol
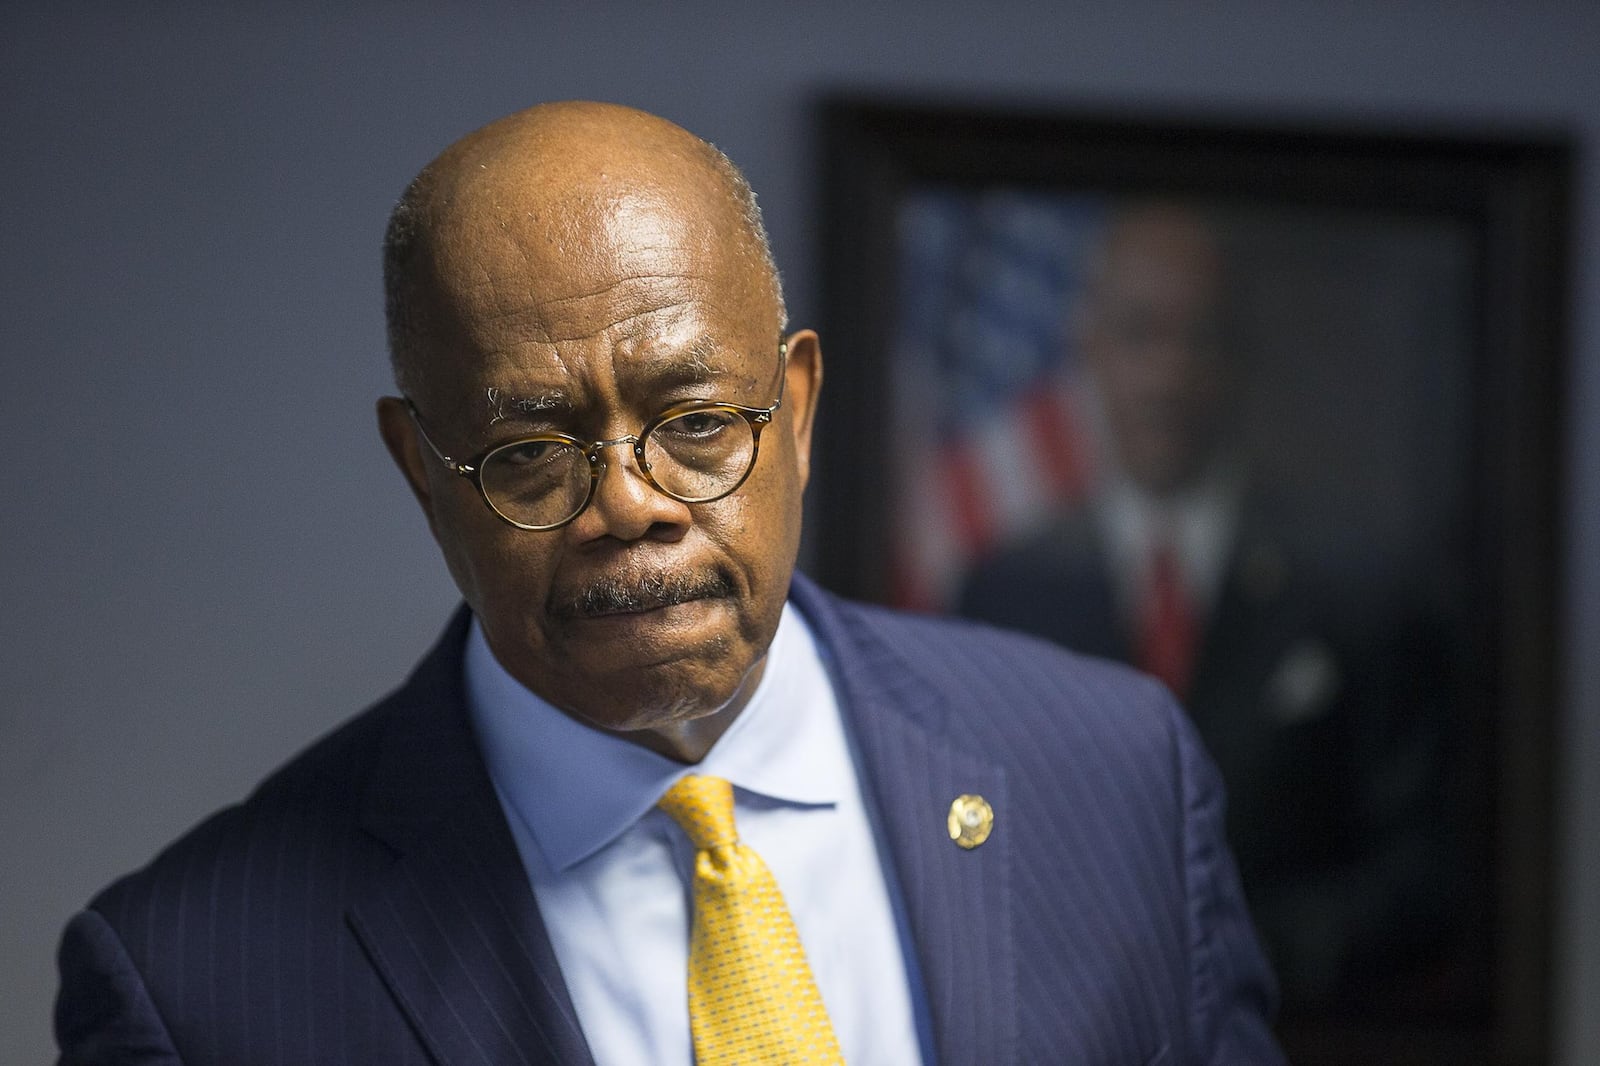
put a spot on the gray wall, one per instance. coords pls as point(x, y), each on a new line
point(206, 559)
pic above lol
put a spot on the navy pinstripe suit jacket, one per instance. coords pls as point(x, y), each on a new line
point(367, 904)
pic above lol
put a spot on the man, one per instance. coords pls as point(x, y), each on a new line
point(947, 844)
point(1321, 720)
point(1148, 556)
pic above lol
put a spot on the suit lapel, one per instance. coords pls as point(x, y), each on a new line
point(956, 901)
point(451, 923)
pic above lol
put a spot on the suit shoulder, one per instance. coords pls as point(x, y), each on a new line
point(986, 646)
point(1018, 680)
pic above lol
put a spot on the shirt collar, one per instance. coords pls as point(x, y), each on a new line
point(576, 789)
point(1197, 523)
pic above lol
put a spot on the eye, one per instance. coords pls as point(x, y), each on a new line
point(698, 425)
point(528, 453)
point(528, 468)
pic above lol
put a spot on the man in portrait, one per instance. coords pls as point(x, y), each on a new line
point(654, 796)
point(1320, 706)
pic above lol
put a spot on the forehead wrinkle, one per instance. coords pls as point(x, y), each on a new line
point(568, 319)
point(564, 319)
point(611, 286)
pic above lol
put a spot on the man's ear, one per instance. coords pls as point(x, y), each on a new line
point(801, 386)
point(401, 437)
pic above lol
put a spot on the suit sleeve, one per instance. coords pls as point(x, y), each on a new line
point(1233, 994)
point(104, 1015)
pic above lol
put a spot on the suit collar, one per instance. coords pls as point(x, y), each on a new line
point(915, 757)
point(451, 924)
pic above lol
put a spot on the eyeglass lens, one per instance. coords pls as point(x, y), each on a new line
point(696, 456)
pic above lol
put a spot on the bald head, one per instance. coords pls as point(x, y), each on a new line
point(551, 185)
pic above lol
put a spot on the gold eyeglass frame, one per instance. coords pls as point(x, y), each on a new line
point(472, 468)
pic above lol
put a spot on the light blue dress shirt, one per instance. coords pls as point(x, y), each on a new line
point(611, 873)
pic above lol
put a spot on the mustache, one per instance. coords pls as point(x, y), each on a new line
point(623, 595)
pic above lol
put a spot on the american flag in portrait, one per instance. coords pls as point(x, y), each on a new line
point(991, 430)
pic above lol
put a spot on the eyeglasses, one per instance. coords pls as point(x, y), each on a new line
point(694, 452)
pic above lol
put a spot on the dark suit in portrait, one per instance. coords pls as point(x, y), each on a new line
point(1314, 677)
point(1325, 717)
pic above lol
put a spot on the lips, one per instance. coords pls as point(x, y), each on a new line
point(635, 594)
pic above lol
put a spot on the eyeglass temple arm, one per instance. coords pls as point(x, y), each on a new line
point(783, 372)
point(422, 429)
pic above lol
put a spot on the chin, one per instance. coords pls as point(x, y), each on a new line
point(657, 697)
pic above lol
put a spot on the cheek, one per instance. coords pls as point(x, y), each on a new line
point(764, 531)
point(498, 569)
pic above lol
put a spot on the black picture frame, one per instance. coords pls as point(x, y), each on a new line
point(1500, 199)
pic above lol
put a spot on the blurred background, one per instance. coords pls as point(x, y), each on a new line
point(206, 558)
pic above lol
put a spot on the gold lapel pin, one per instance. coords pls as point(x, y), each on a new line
point(970, 822)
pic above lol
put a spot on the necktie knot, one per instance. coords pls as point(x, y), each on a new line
point(703, 807)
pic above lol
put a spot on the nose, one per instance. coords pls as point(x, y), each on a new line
point(626, 505)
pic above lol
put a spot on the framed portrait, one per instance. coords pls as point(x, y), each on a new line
point(1272, 413)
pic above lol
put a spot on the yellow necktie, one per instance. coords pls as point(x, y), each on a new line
point(751, 995)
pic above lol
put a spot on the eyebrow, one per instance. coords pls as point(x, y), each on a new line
point(504, 406)
point(697, 366)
